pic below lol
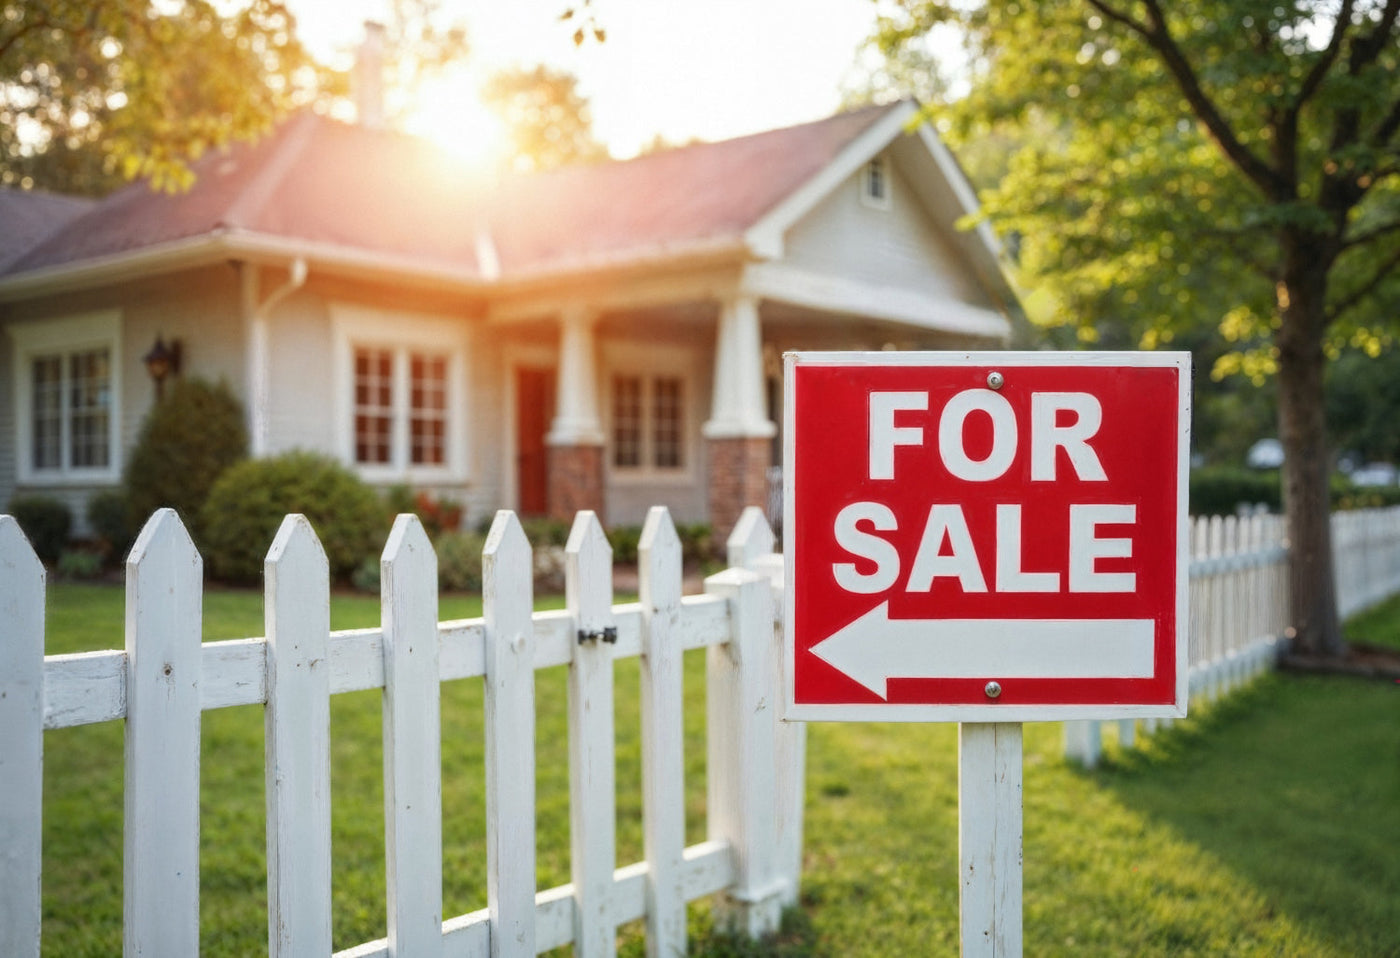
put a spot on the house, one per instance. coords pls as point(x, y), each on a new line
point(605, 336)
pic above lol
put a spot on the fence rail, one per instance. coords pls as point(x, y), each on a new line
point(1239, 600)
point(165, 678)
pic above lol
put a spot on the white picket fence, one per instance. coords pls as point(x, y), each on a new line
point(166, 677)
point(1239, 601)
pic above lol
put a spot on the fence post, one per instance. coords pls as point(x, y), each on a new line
point(297, 720)
point(412, 741)
point(507, 575)
point(750, 545)
point(164, 589)
point(21, 741)
point(592, 775)
point(1083, 742)
point(739, 705)
point(663, 738)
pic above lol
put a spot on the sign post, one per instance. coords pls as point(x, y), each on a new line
point(990, 539)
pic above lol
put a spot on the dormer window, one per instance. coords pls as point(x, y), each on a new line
point(875, 184)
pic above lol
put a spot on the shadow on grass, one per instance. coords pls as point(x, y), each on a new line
point(1293, 784)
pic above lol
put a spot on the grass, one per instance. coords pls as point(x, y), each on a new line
point(1266, 825)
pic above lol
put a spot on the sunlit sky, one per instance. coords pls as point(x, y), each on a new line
point(683, 69)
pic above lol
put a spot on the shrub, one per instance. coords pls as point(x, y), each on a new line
point(1221, 491)
point(110, 518)
point(46, 521)
point(247, 504)
point(365, 578)
point(624, 541)
point(541, 531)
point(77, 564)
point(696, 541)
point(186, 442)
point(459, 561)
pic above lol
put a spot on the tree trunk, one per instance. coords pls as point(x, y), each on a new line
point(1307, 463)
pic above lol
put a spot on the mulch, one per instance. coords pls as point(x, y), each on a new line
point(1361, 660)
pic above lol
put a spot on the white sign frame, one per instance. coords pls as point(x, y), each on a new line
point(991, 711)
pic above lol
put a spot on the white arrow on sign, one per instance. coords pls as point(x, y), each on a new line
point(875, 648)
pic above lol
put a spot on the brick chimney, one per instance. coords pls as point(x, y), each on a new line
point(368, 78)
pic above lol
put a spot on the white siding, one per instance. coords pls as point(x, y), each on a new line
point(899, 246)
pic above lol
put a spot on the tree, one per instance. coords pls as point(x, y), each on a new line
point(97, 93)
point(547, 120)
point(1222, 166)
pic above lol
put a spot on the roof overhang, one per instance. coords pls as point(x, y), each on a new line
point(224, 245)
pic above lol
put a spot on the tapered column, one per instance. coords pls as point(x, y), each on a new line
point(575, 438)
point(738, 433)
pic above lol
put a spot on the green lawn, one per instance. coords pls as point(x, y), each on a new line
point(1264, 826)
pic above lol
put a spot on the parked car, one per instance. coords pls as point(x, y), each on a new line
point(1265, 454)
point(1375, 474)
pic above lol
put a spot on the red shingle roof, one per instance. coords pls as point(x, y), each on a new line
point(321, 181)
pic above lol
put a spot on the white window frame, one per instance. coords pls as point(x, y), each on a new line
point(877, 165)
point(65, 337)
point(402, 334)
point(650, 364)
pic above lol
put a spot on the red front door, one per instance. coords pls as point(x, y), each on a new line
point(534, 411)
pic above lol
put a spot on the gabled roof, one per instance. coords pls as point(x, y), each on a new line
point(30, 215)
point(388, 204)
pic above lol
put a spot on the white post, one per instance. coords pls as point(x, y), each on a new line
point(750, 546)
point(21, 741)
point(576, 419)
point(738, 406)
point(164, 589)
point(412, 741)
point(663, 735)
point(989, 839)
point(741, 767)
point(1083, 742)
point(297, 743)
point(508, 602)
point(592, 776)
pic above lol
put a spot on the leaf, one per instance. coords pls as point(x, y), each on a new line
point(568, 14)
point(578, 37)
point(600, 34)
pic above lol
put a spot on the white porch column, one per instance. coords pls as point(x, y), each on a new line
point(576, 420)
point(738, 407)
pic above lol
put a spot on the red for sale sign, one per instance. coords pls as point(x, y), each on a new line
point(995, 537)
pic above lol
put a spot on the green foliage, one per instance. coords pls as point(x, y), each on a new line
point(1222, 491)
point(110, 517)
point(97, 93)
point(540, 531)
point(1363, 404)
point(77, 564)
point(247, 505)
point(459, 561)
point(437, 513)
point(624, 541)
point(46, 522)
point(548, 120)
point(186, 442)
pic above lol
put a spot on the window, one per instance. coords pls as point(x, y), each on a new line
point(648, 422)
point(66, 389)
point(875, 184)
point(401, 388)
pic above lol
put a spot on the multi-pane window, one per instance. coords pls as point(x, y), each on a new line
point(46, 410)
point(400, 398)
point(427, 409)
point(627, 421)
point(875, 184)
point(70, 410)
point(648, 424)
point(374, 405)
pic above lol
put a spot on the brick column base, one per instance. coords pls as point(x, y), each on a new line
point(575, 481)
point(738, 478)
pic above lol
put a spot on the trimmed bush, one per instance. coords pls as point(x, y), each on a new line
point(1221, 491)
point(459, 561)
point(76, 565)
point(110, 518)
point(46, 521)
point(247, 504)
point(186, 442)
point(624, 541)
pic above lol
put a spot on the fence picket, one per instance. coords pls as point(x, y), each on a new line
point(592, 789)
point(297, 742)
point(21, 741)
point(164, 592)
point(739, 706)
point(663, 758)
point(508, 603)
point(412, 741)
point(750, 546)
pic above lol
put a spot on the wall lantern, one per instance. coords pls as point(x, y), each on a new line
point(162, 361)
